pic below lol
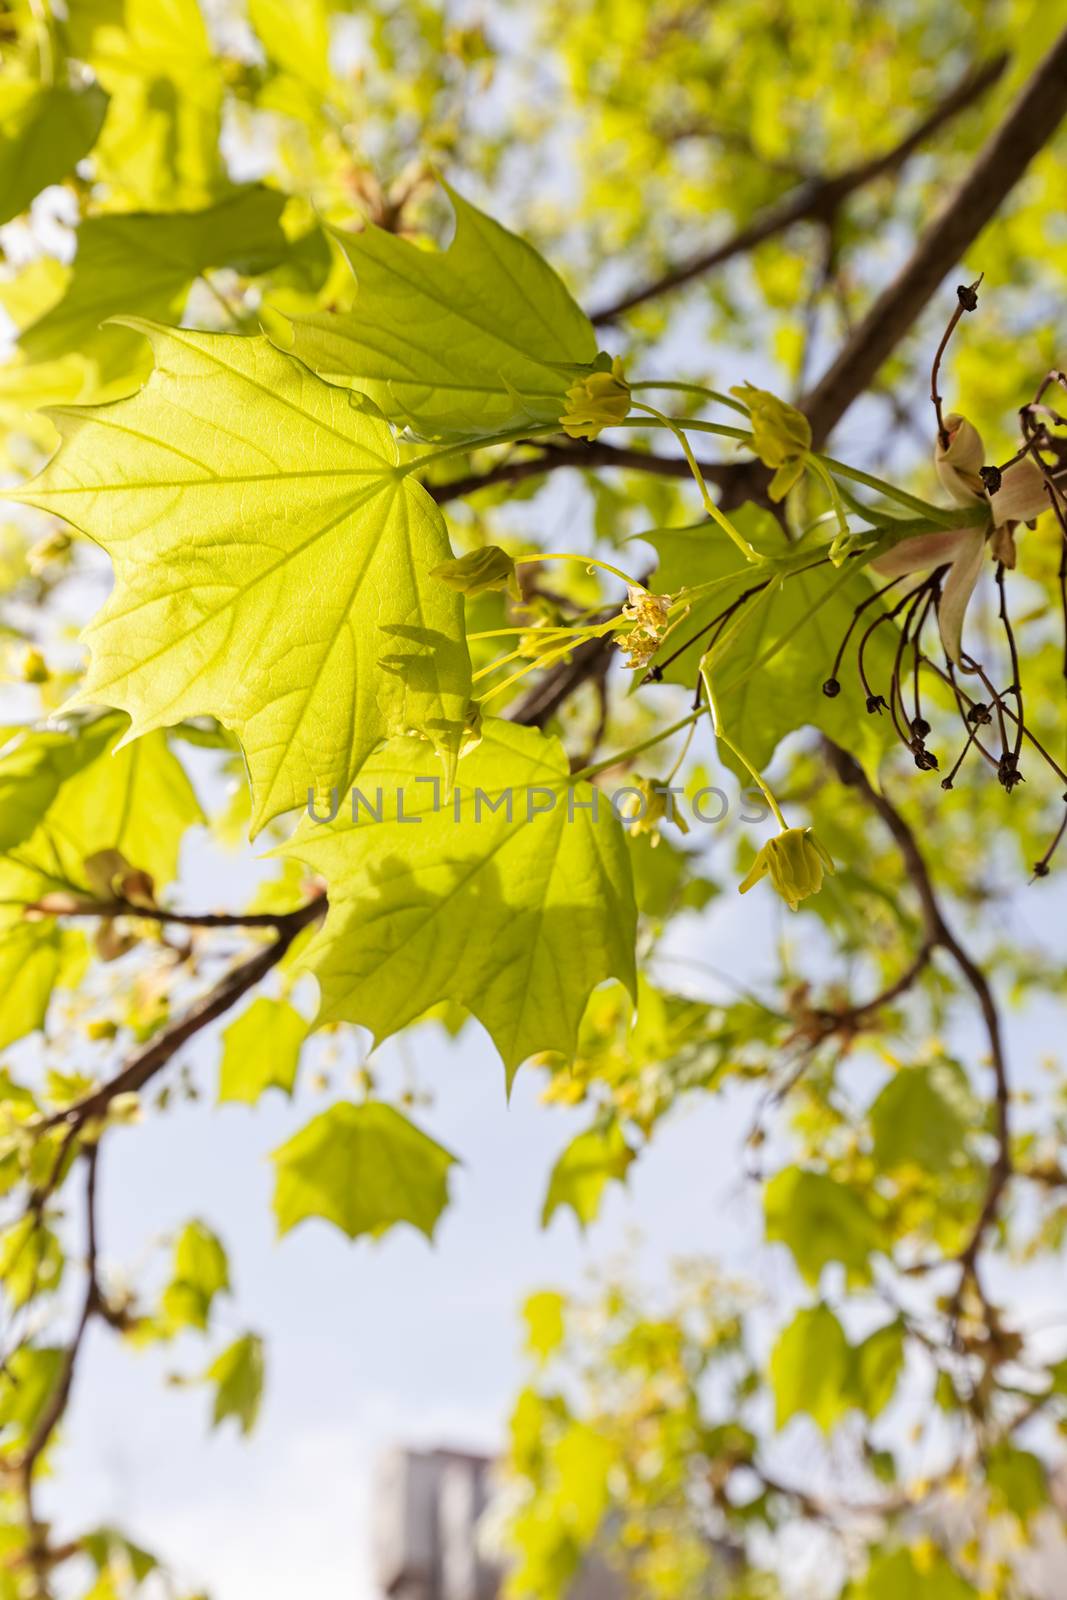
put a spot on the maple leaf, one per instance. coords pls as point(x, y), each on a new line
point(516, 917)
point(457, 343)
point(364, 1168)
point(264, 539)
point(141, 263)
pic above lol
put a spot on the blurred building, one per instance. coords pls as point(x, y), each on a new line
point(427, 1506)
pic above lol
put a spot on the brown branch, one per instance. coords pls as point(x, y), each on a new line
point(538, 704)
point(186, 919)
point(815, 201)
point(855, 1018)
point(593, 453)
point(938, 935)
point(146, 1063)
point(38, 1556)
point(1028, 126)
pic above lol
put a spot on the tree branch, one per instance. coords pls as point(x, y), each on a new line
point(818, 200)
point(593, 453)
point(144, 1065)
point(162, 914)
point(1029, 125)
point(37, 1556)
point(938, 935)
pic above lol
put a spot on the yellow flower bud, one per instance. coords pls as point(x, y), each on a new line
point(480, 570)
point(652, 805)
point(597, 401)
point(795, 862)
point(780, 433)
point(33, 668)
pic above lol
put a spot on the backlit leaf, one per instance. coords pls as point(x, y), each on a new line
point(765, 691)
point(517, 912)
point(821, 1221)
point(44, 132)
point(363, 1168)
point(810, 1369)
point(200, 1272)
point(459, 343)
point(261, 1050)
point(263, 539)
point(590, 1162)
point(142, 264)
point(238, 1378)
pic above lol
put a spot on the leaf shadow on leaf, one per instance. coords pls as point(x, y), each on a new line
point(525, 972)
point(430, 657)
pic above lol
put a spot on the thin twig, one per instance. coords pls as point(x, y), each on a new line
point(1028, 126)
point(939, 935)
point(146, 1063)
point(818, 200)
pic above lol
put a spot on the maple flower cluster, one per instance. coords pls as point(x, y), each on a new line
point(650, 615)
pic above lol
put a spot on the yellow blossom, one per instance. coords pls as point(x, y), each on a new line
point(650, 615)
point(597, 401)
point(648, 808)
point(795, 861)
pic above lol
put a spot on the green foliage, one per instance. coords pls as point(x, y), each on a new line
point(261, 1051)
point(213, 561)
point(921, 1571)
point(476, 912)
point(810, 1368)
point(200, 1272)
point(922, 1116)
point(584, 1170)
point(44, 131)
point(140, 264)
point(768, 681)
point(461, 344)
point(238, 1378)
point(821, 1220)
point(364, 1168)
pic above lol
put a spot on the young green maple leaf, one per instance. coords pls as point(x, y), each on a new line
point(456, 343)
point(268, 550)
point(584, 1170)
point(810, 1369)
point(364, 1168)
point(769, 679)
point(238, 1378)
point(261, 1051)
point(518, 917)
point(159, 147)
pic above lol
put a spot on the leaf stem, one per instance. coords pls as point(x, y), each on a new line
point(693, 388)
point(637, 749)
point(738, 754)
point(747, 550)
point(590, 561)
